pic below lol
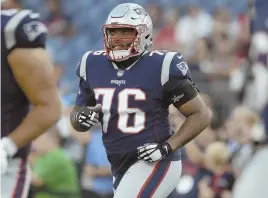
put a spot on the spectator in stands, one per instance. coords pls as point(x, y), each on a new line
point(155, 11)
point(219, 183)
point(200, 64)
point(98, 182)
point(240, 123)
point(239, 128)
point(243, 38)
point(223, 55)
point(224, 24)
point(54, 175)
point(165, 38)
point(203, 54)
point(196, 24)
point(58, 23)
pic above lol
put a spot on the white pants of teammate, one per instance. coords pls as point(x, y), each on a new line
point(149, 180)
point(15, 182)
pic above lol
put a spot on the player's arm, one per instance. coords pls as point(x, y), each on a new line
point(33, 71)
point(85, 113)
point(181, 91)
point(198, 118)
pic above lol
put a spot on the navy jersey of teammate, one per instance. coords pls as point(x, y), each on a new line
point(18, 30)
point(135, 87)
point(27, 77)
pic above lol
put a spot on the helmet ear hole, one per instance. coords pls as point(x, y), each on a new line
point(146, 37)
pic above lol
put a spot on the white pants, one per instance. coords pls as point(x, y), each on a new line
point(146, 180)
point(15, 182)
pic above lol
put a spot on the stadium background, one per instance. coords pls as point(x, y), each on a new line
point(213, 35)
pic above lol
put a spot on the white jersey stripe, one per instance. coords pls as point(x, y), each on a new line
point(83, 65)
point(10, 28)
point(166, 67)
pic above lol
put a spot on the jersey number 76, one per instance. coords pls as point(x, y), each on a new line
point(123, 111)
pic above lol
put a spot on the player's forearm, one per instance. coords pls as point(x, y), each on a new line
point(38, 120)
point(192, 127)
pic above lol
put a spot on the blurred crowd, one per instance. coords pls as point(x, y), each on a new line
point(229, 66)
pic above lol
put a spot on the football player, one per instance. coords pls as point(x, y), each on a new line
point(129, 89)
point(27, 77)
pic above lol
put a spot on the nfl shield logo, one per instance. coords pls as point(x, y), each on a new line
point(183, 67)
point(120, 73)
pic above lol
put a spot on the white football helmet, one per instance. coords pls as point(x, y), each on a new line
point(128, 15)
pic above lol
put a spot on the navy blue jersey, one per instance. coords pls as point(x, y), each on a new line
point(260, 17)
point(134, 101)
point(19, 29)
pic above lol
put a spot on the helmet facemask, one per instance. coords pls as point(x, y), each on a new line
point(123, 41)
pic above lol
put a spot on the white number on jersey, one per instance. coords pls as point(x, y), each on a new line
point(123, 110)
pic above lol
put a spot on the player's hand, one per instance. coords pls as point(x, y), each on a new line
point(153, 152)
point(88, 116)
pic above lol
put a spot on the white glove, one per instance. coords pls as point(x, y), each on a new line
point(153, 152)
point(7, 149)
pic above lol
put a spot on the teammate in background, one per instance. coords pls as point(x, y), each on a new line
point(129, 89)
point(27, 78)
